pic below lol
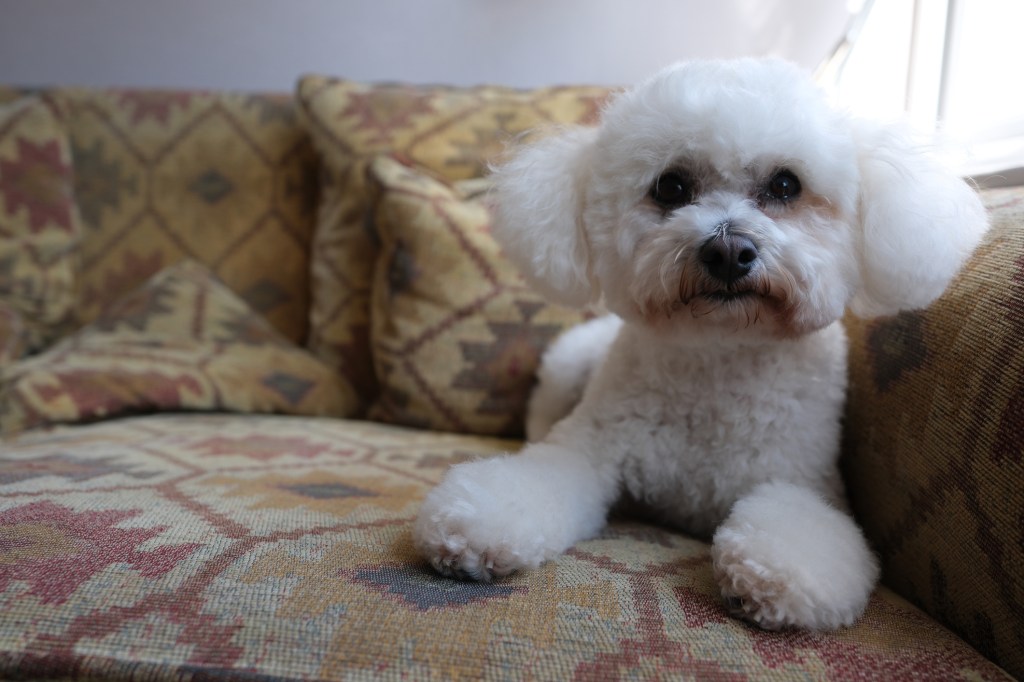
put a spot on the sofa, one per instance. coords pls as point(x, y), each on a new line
point(242, 335)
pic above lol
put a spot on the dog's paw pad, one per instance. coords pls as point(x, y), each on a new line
point(456, 558)
point(751, 592)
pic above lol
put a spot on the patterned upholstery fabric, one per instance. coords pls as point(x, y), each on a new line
point(183, 341)
point(226, 547)
point(457, 333)
point(452, 132)
point(14, 334)
point(39, 227)
point(935, 429)
point(256, 547)
point(227, 180)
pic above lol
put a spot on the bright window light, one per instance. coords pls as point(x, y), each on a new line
point(945, 61)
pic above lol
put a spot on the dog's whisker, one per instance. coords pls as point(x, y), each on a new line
point(679, 255)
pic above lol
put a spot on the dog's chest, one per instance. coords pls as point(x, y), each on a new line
point(693, 432)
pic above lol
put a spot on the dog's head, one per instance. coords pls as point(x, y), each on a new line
point(731, 196)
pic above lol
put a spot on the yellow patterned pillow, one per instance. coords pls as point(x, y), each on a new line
point(934, 456)
point(228, 180)
point(453, 132)
point(457, 333)
point(39, 227)
point(183, 341)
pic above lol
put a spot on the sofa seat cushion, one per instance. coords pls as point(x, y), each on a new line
point(190, 546)
point(182, 341)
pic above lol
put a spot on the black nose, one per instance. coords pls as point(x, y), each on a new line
point(728, 258)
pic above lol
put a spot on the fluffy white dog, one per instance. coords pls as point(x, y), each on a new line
point(728, 216)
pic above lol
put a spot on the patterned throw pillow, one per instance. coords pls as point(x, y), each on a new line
point(450, 131)
point(934, 454)
point(457, 334)
point(183, 341)
point(39, 227)
point(228, 180)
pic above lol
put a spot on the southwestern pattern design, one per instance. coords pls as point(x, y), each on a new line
point(935, 426)
point(182, 341)
point(227, 180)
point(457, 332)
point(39, 227)
point(184, 547)
point(453, 132)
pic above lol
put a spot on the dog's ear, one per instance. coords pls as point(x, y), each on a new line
point(539, 198)
point(919, 222)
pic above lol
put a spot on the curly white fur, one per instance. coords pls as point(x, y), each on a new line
point(714, 401)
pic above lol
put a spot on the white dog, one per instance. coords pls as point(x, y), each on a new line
point(728, 216)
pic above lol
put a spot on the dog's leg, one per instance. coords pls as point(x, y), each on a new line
point(564, 372)
point(490, 517)
point(785, 557)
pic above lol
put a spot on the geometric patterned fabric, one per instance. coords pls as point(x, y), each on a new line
point(229, 546)
point(39, 227)
point(225, 179)
point(452, 132)
point(183, 341)
point(271, 548)
point(934, 455)
point(457, 333)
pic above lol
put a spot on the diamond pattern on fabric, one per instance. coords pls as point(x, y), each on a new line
point(212, 566)
point(223, 179)
point(182, 341)
point(453, 132)
point(457, 333)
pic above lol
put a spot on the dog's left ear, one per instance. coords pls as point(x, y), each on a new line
point(919, 222)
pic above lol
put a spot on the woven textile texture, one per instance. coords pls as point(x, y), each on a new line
point(449, 131)
point(253, 548)
point(457, 333)
point(39, 227)
point(182, 341)
point(227, 180)
point(15, 336)
point(935, 430)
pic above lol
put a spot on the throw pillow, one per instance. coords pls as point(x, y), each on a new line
point(454, 132)
point(457, 334)
point(226, 179)
point(39, 226)
point(183, 341)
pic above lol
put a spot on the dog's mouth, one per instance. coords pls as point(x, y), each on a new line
point(729, 296)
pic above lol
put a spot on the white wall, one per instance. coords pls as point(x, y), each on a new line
point(265, 44)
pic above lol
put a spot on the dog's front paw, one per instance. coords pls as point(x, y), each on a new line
point(784, 557)
point(473, 526)
point(446, 543)
point(753, 591)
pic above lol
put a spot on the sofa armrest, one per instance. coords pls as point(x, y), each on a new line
point(933, 451)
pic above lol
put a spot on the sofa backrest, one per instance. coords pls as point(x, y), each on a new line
point(225, 179)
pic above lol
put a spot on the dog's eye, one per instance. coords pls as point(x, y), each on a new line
point(784, 186)
point(672, 190)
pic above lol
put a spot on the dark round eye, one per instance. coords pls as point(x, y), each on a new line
point(784, 186)
point(672, 190)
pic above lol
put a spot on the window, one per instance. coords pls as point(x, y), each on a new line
point(940, 60)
